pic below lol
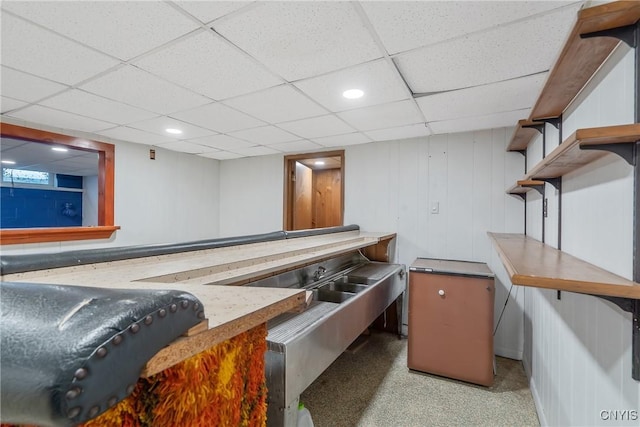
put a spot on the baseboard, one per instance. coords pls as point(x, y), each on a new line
point(509, 353)
point(537, 402)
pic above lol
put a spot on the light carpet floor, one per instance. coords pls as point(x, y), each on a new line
point(372, 386)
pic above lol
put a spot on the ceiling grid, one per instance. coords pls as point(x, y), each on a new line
point(257, 78)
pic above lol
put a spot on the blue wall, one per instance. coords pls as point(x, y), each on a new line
point(28, 208)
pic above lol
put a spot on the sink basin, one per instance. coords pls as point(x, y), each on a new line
point(340, 286)
point(328, 295)
point(354, 280)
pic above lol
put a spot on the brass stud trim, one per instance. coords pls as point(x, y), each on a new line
point(73, 393)
point(134, 328)
point(94, 411)
point(162, 312)
point(81, 373)
point(117, 339)
point(74, 412)
point(102, 352)
point(148, 320)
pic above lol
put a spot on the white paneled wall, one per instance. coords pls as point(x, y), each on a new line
point(391, 186)
point(171, 199)
point(577, 349)
point(251, 195)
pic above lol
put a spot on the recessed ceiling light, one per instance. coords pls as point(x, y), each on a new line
point(8, 162)
point(62, 149)
point(173, 131)
point(318, 162)
point(353, 93)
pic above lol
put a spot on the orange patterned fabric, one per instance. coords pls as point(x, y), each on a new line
point(222, 386)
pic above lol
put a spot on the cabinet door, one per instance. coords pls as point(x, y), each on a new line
point(451, 326)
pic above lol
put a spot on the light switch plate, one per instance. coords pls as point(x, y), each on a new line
point(435, 207)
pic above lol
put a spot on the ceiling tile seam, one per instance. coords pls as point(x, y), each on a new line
point(247, 54)
point(391, 127)
point(487, 30)
point(211, 149)
point(427, 94)
point(164, 45)
point(131, 124)
point(74, 114)
point(49, 30)
point(381, 47)
point(231, 14)
point(482, 115)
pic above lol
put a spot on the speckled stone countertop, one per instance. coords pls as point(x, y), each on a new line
point(230, 310)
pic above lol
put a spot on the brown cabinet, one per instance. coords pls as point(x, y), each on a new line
point(451, 319)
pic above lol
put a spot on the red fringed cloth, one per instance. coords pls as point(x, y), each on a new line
point(222, 386)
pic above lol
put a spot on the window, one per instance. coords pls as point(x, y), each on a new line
point(105, 189)
point(24, 176)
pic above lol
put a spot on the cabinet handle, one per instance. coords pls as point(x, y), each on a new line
point(441, 292)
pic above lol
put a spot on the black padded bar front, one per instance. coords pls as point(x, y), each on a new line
point(69, 353)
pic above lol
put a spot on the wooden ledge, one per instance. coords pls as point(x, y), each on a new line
point(15, 236)
point(524, 185)
point(532, 263)
point(523, 135)
point(571, 155)
point(580, 58)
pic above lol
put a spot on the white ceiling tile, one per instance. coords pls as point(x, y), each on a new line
point(401, 132)
point(207, 11)
point(277, 104)
point(87, 104)
point(487, 121)
point(343, 140)
point(256, 151)
point(301, 39)
point(378, 80)
point(411, 24)
point(186, 147)
point(8, 104)
point(30, 48)
point(158, 125)
point(135, 87)
point(222, 155)
point(60, 119)
point(122, 29)
point(383, 116)
point(317, 127)
point(509, 95)
point(135, 135)
point(222, 142)
point(218, 117)
point(264, 135)
point(208, 65)
point(506, 52)
point(296, 146)
point(19, 85)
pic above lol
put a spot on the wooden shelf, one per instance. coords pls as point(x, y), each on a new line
point(524, 185)
point(581, 58)
point(571, 155)
point(532, 263)
point(522, 136)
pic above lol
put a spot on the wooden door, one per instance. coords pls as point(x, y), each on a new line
point(327, 198)
point(303, 198)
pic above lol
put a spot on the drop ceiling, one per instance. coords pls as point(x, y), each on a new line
point(257, 78)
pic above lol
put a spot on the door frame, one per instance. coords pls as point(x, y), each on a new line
point(289, 172)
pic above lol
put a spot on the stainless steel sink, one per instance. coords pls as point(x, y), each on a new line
point(349, 293)
point(328, 295)
point(340, 286)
